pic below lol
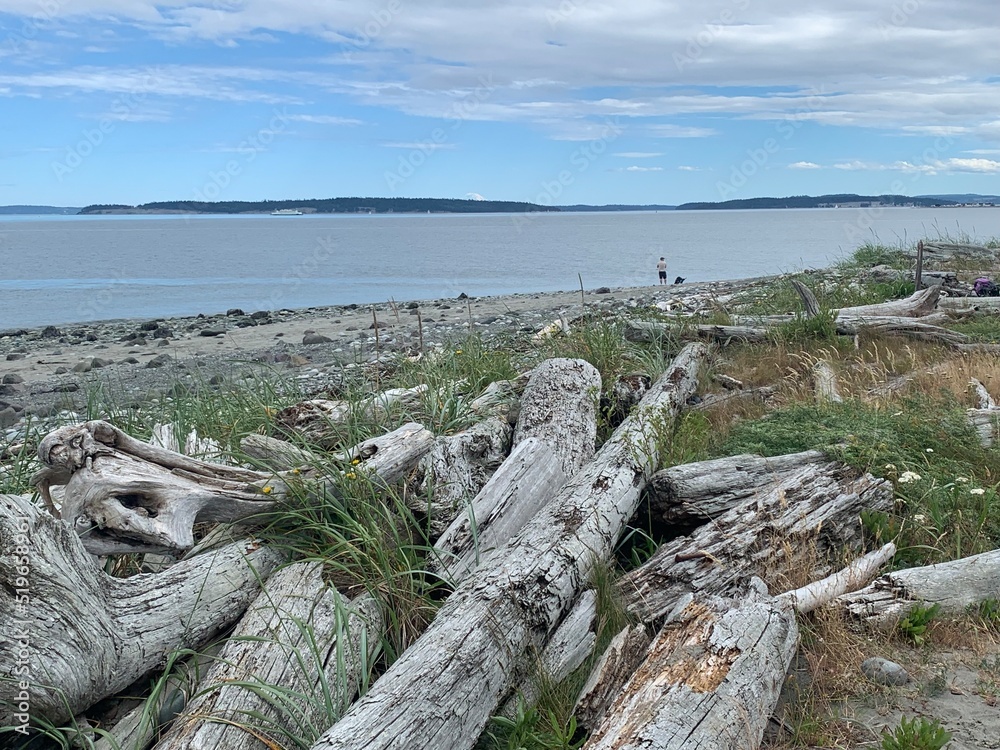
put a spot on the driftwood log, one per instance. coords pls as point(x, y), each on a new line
point(807, 517)
point(711, 678)
point(443, 689)
point(82, 635)
point(297, 657)
point(643, 330)
point(457, 467)
point(825, 383)
point(955, 586)
point(699, 491)
point(616, 666)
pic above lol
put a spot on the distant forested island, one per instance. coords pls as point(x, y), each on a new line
point(38, 210)
point(323, 206)
point(839, 200)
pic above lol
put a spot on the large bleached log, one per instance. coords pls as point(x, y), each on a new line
point(920, 303)
point(812, 513)
point(443, 689)
point(986, 423)
point(457, 467)
point(706, 489)
point(559, 406)
point(277, 455)
point(711, 678)
point(954, 586)
point(321, 421)
point(914, 328)
point(819, 593)
point(83, 635)
point(519, 489)
point(297, 657)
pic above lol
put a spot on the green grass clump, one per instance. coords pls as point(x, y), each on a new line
point(917, 733)
point(914, 625)
point(874, 253)
point(983, 329)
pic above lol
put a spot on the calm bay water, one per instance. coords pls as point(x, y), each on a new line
point(72, 269)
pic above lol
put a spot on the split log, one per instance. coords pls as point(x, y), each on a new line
point(519, 489)
point(297, 657)
point(989, 304)
point(920, 303)
point(699, 491)
point(711, 679)
point(618, 663)
point(806, 518)
point(954, 586)
point(809, 301)
point(82, 635)
point(559, 407)
point(443, 689)
point(321, 421)
point(825, 383)
point(901, 326)
point(456, 468)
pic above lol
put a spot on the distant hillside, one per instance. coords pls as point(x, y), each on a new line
point(617, 207)
point(324, 206)
point(842, 200)
point(966, 198)
point(10, 210)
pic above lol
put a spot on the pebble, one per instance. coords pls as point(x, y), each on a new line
point(884, 672)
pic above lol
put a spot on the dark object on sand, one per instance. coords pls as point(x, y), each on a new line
point(679, 280)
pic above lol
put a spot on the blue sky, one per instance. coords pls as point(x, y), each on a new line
point(551, 101)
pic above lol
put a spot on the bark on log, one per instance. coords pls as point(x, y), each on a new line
point(983, 398)
point(321, 421)
point(456, 468)
point(711, 679)
point(618, 663)
point(559, 407)
point(297, 657)
point(443, 689)
point(825, 383)
point(810, 515)
point(521, 487)
point(954, 586)
point(84, 635)
point(699, 491)
point(809, 301)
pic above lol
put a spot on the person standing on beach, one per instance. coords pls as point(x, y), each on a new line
point(661, 268)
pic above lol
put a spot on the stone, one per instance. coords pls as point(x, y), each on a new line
point(261, 315)
point(232, 311)
point(149, 325)
point(66, 388)
point(208, 332)
point(83, 366)
point(603, 290)
point(8, 417)
point(160, 360)
point(463, 295)
point(62, 370)
point(163, 342)
point(162, 332)
point(412, 305)
point(12, 379)
point(884, 672)
point(316, 338)
point(217, 380)
point(50, 332)
point(297, 360)
point(246, 323)
point(13, 356)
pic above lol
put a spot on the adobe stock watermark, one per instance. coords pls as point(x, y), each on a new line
point(92, 139)
point(459, 112)
point(564, 11)
point(32, 26)
point(899, 17)
point(380, 20)
point(20, 626)
point(707, 35)
point(248, 149)
point(306, 268)
point(581, 160)
point(758, 158)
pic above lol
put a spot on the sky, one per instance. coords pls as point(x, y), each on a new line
point(549, 101)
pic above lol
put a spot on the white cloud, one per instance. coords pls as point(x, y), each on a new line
point(640, 169)
point(932, 166)
point(804, 165)
point(325, 120)
point(688, 168)
point(638, 154)
point(474, 197)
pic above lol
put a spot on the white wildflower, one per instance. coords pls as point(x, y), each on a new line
point(929, 450)
point(909, 476)
point(920, 518)
point(977, 491)
point(962, 480)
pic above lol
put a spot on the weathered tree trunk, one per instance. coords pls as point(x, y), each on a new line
point(295, 662)
point(277, 455)
point(986, 423)
point(706, 489)
point(825, 383)
point(521, 487)
point(853, 577)
point(918, 304)
point(983, 398)
point(456, 469)
point(321, 421)
point(443, 689)
point(711, 678)
point(953, 585)
point(712, 400)
point(914, 328)
point(559, 407)
point(82, 635)
point(811, 514)
point(809, 301)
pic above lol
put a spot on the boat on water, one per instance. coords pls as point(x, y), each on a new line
point(286, 212)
